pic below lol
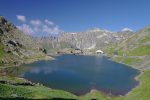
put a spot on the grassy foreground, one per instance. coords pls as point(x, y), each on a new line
point(30, 92)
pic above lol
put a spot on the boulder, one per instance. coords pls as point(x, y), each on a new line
point(12, 43)
point(15, 43)
point(43, 50)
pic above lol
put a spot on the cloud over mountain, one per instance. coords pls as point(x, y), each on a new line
point(36, 22)
point(126, 29)
point(26, 29)
point(36, 26)
point(48, 22)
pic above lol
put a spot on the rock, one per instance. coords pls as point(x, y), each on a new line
point(19, 44)
point(9, 51)
point(3, 82)
point(1, 32)
point(71, 51)
point(16, 63)
point(16, 49)
point(43, 50)
point(12, 43)
point(2, 20)
point(25, 84)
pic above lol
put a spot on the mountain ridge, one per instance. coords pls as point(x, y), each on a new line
point(16, 46)
point(134, 51)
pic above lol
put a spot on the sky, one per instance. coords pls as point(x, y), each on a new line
point(42, 17)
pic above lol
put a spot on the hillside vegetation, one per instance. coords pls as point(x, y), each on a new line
point(134, 51)
point(27, 90)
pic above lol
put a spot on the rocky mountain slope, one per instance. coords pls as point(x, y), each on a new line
point(87, 41)
point(134, 51)
point(15, 46)
point(96, 38)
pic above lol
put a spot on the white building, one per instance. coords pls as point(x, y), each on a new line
point(99, 52)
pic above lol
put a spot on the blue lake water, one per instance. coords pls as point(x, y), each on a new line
point(79, 74)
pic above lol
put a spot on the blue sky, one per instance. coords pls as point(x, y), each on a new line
point(76, 15)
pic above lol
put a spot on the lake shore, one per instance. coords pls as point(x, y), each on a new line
point(107, 95)
point(97, 56)
point(28, 61)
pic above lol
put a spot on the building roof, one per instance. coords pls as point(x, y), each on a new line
point(99, 51)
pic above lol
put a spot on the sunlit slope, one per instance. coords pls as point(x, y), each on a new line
point(133, 51)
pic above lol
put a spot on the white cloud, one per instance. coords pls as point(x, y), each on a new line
point(21, 18)
point(56, 29)
point(51, 30)
point(37, 27)
point(48, 22)
point(126, 29)
point(47, 29)
point(26, 29)
point(36, 23)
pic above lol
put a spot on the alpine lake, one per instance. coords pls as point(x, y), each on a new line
point(79, 74)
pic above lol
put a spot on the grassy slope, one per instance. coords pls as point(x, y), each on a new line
point(34, 92)
point(140, 51)
point(134, 51)
point(1, 51)
point(94, 94)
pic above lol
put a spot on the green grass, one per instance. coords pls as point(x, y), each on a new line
point(32, 92)
point(12, 79)
point(94, 95)
point(140, 51)
point(117, 59)
point(1, 51)
point(131, 61)
point(145, 39)
point(147, 29)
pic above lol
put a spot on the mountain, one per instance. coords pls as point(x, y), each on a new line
point(134, 51)
point(94, 39)
point(87, 41)
point(16, 47)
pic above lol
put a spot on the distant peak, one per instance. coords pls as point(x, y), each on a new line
point(99, 30)
point(127, 29)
